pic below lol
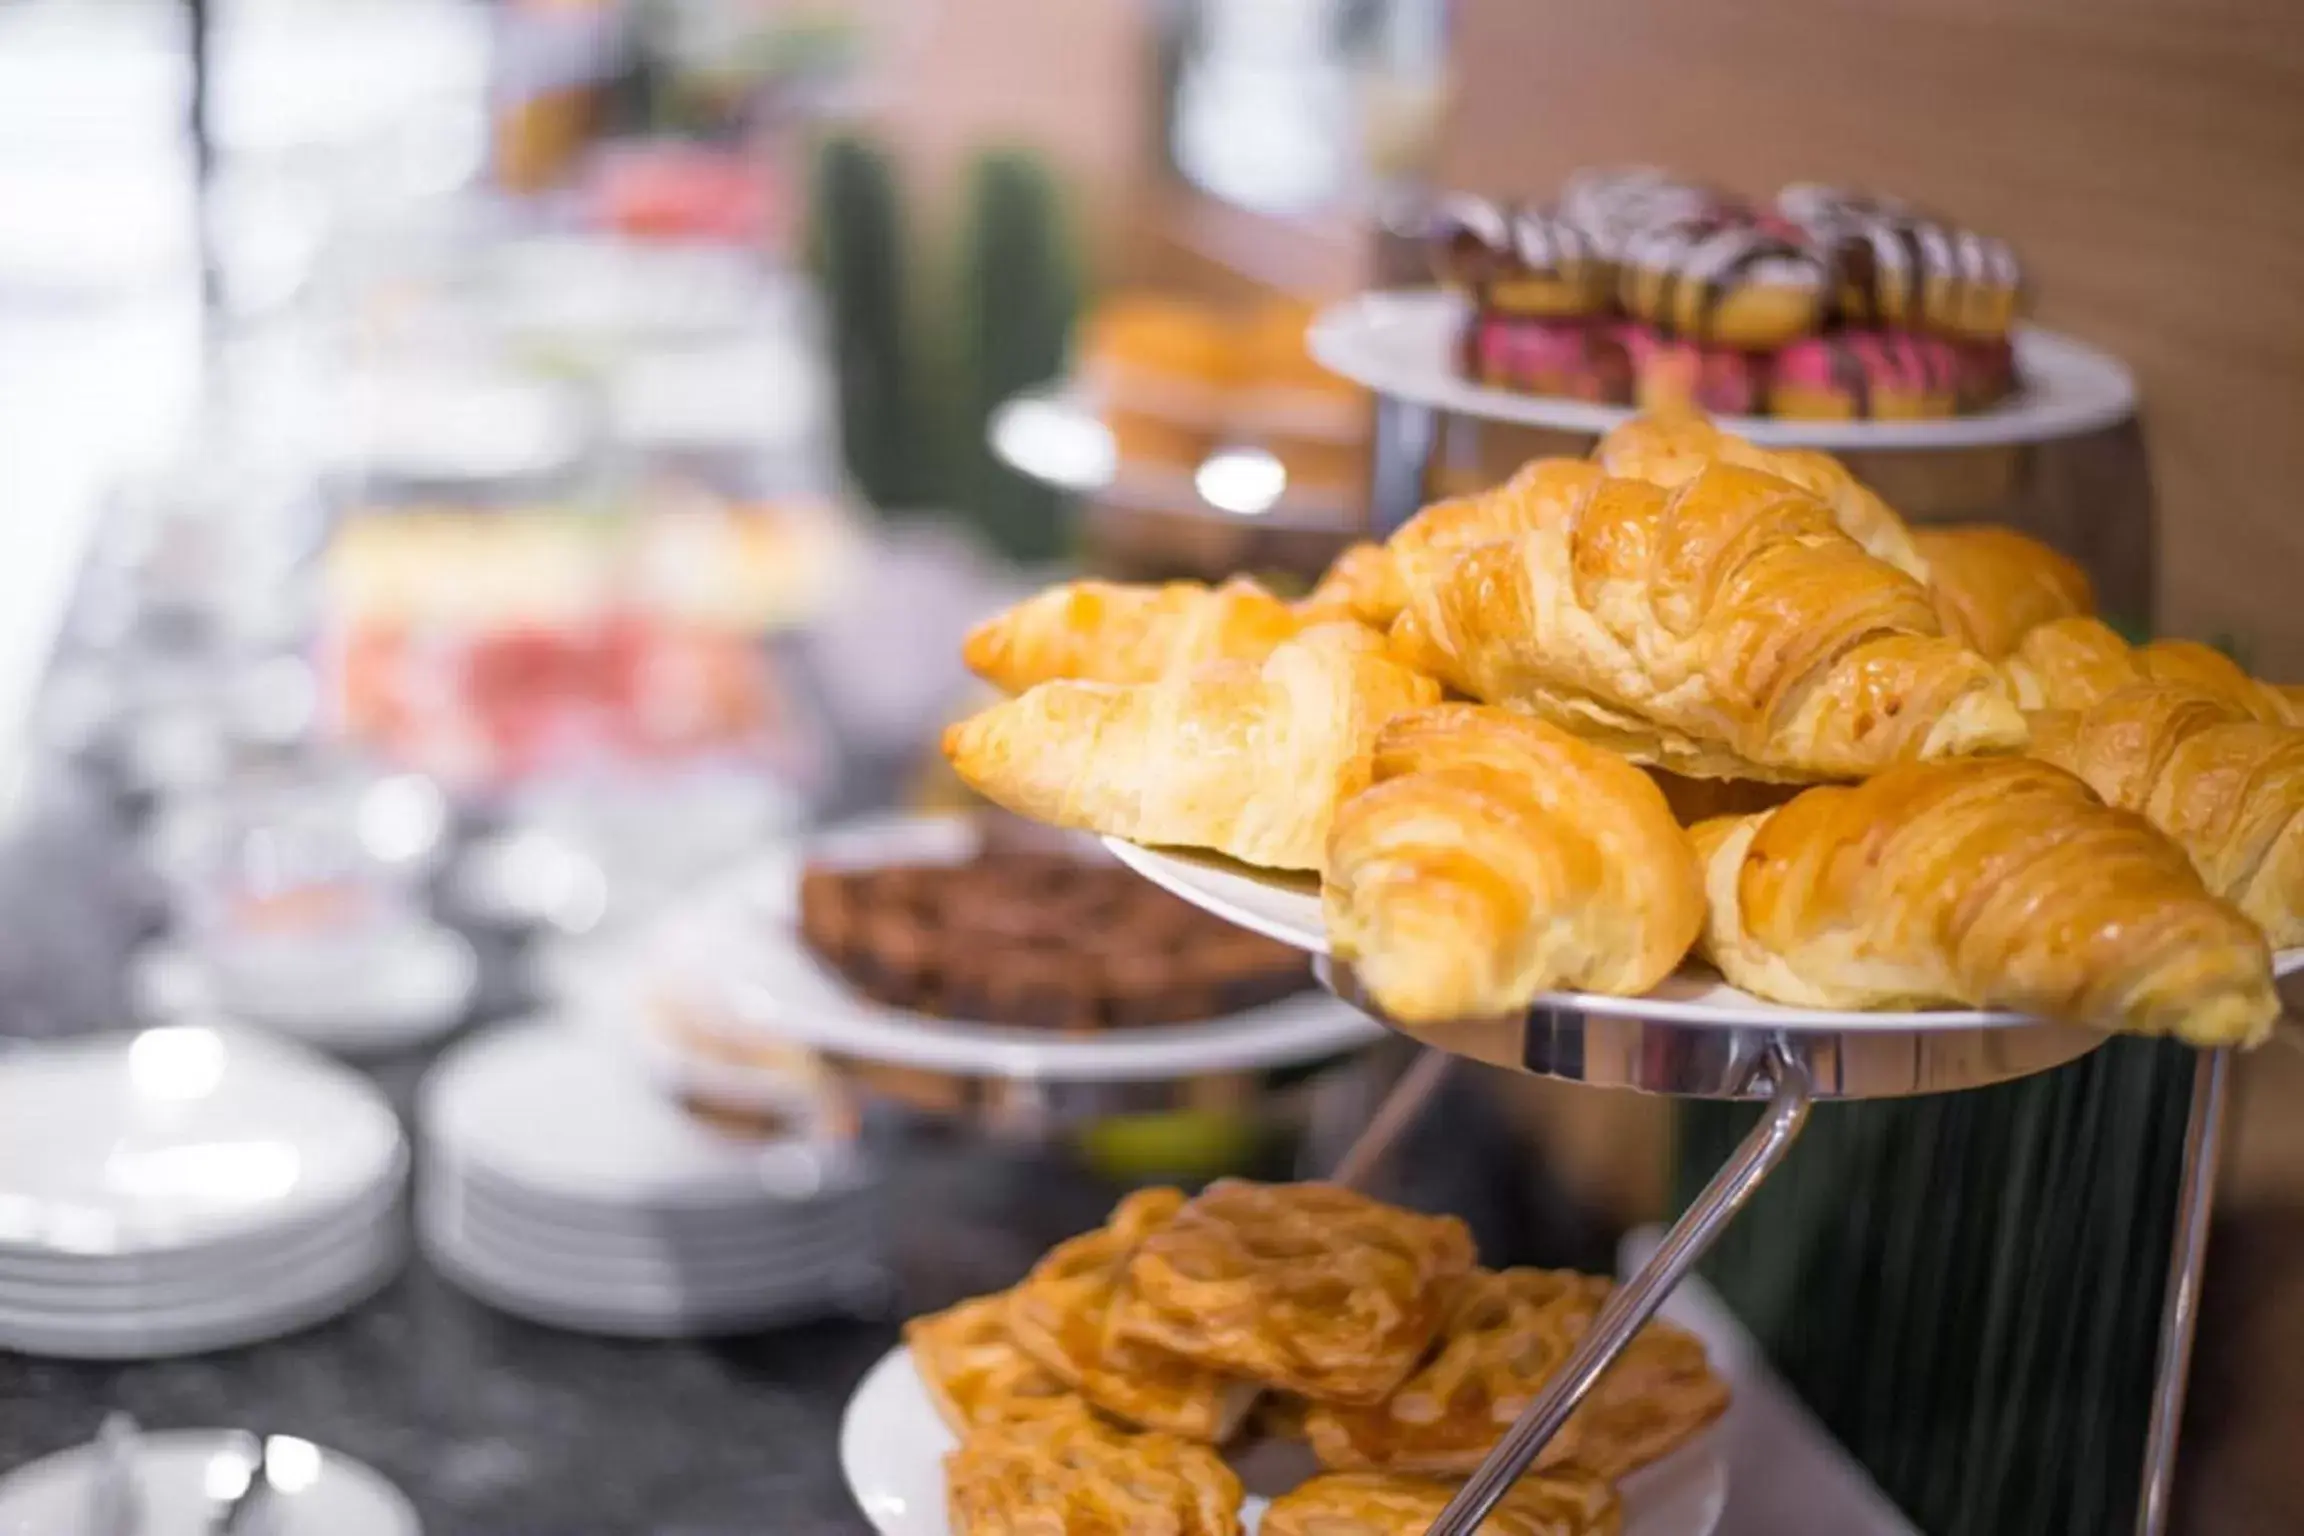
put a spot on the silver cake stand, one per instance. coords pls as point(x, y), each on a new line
point(1694, 1041)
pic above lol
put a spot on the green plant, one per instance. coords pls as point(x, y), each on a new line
point(1016, 295)
point(856, 245)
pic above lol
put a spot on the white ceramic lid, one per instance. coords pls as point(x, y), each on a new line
point(319, 1490)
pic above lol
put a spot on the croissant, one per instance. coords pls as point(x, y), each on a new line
point(1725, 629)
point(1370, 581)
point(2000, 884)
point(1994, 585)
point(1668, 448)
point(1361, 584)
point(1114, 633)
point(1248, 760)
point(2076, 663)
point(1494, 857)
point(2228, 788)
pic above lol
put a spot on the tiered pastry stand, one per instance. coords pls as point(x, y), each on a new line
point(1696, 1037)
point(1402, 345)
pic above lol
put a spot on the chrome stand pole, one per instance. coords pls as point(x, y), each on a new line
point(1402, 1104)
point(2180, 1307)
point(1629, 1307)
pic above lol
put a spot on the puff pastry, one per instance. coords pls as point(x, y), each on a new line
point(1311, 1288)
point(2001, 884)
point(1567, 1503)
point(2074, 663)
point(1671, 448)
point(1994, 585)
point(1072, 1472)
point(1114, 633)
point(1061, 1315)
point(1370, 581)
point(2228, 788)
point(975, 1371)
point(1248, 761)
point(1724, 629)
point(1495, 857)
point(1506, 1333)
point(1361, 584)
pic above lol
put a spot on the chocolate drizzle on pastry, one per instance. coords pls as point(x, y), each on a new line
point(1886, 255)
point(1706, 258)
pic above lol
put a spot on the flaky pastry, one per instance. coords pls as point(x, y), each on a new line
point(1563, 1503)
point(1072, 1473)
point(1061, 1316)
point(1670, 448)
point(1312, 1288)
point(1109, 632)
point(975, 1372)
point(2075, 663)
point(1495, 857)
point(1993, 586)
point(1370, 581)
point(1997, 884)
point(2227, 788)
point(1248, 761)
point(1505, 1335)
point(1726, 628)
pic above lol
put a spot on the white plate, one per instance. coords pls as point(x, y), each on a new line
point(1055, 436)
point(664, 1292)
point(1403, 344)
point(179, 1136)
point(1287, 908)
point(518, 1293)
point(344, 1497)
point(507, 1099)
point(33, 1272)
point(893, 1444)
point(308, 1297)
point(383, 992)
point(743, 938)
point(137, 1286)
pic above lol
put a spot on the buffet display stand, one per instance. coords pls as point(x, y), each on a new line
point(1695, 1037)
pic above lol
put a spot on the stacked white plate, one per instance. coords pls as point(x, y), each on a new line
point(188, 1188)
point(562, 1186)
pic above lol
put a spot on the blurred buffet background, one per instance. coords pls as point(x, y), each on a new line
point(496, 979)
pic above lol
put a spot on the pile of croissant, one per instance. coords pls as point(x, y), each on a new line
point(1689, 696)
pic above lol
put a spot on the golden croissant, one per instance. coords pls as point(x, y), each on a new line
point(1668, 448)
point(1248, 760)
point(2075, 663)
point(1724, 629)
point(2228, 788)
point(1370, 581)
point(1116, 633)
point(2000, 884)
point(1495, 857)
point(1993, 585)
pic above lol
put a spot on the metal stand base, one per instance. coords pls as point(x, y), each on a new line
point(2180, 1308)
point(1632, 1304)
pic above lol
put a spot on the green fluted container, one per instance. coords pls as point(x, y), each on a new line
point(1015, 297)
point(856, 247)
point(1966, 1287)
